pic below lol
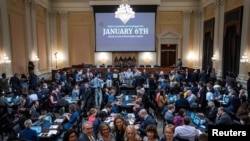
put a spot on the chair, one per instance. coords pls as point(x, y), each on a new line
point(14, 132)
point(93, 66)
point(109, 66)
point(148, 66)
point(102, 66)
point(156, 66)
point(141, 66)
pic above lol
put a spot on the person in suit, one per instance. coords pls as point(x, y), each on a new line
point(222, 117)
point(201, 96)
point(89, 98)
point(139, 80)
point(181, 103)
point(147, 120)
point(233, 103)
point(87, 132)
point(27, 133)
point(211, 113)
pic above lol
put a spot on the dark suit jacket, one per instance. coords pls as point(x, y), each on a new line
point(181, 103)
point(83, 137)
point(224, 119)
point(28, 134)
point(202, 99)
point(148, 121)
point(211, 114)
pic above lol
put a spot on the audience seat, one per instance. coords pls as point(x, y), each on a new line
point(148, 66)
point(141, 66)
point(156, 66)
point(109, 66)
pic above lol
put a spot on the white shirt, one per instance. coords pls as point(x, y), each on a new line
point(187, 132)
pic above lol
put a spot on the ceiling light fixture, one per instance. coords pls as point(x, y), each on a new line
point(124, 12)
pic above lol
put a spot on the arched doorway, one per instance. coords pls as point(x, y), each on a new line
point(169, 38)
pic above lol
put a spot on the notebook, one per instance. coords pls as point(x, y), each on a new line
point(37, 128)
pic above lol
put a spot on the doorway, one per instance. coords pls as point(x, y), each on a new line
point(168, 55)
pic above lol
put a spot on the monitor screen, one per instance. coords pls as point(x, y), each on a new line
point(38, 129)
point(197, 121)
point(138, 34)
point(226, 99)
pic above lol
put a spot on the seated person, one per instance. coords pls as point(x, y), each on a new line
point(108, 108)
point(34, 115)
point(27, 133)
point(62, 104)
point(210, 115)
point(4, 103)
point(92, 115)
point(136, 108)
point(222, 117)
point(169, 115)
point(182, 102)
point(72, 117)
point(178, 118)
point(186, 131)
point(147, 120)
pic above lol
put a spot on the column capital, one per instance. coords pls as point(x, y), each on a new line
point(186, 15)
point(222, 3)
point(52, 14)
point(63, 14)
point(197, 13)
point(217, 4)
point(33, 4)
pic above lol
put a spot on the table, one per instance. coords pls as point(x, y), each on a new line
point(126, 103)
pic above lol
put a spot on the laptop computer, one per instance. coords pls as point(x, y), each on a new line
point(37, 128)
point(197, 121)
point(9, 99)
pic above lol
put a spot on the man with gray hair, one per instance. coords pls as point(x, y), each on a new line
point(87, 132)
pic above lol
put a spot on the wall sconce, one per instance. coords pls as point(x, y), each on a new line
point(244, 58)
point(5, 59)
point(214, 57)
point(147, 61)
point(35, 58)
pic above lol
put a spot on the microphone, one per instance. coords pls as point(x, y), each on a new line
point(55, 53)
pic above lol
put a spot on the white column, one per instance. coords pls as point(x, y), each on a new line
point(28, 27)
point(216, 33)
point(64, 34)
point(186, 34)
point(33, 22)
point(197, 36)
point(200, 49)
point(245, 35)
point(53, 38)
point(6, 36)
point(220, 36)
point(48, 37)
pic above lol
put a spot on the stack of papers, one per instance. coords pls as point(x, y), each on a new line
point(52, 132)
point(58, 120)
point(53, 127)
